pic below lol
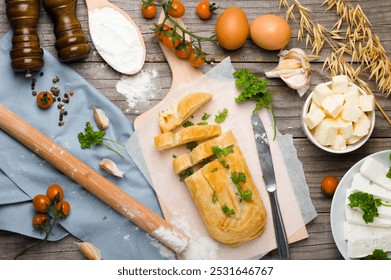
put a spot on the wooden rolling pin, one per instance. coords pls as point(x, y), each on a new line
point(92, 181)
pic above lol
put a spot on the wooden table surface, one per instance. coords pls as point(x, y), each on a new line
point(286, 103)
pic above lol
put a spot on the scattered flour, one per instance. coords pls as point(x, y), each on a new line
point(117, 40)
point(138, 88)
point(203, 248)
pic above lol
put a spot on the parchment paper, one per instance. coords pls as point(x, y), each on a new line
point(173, 194)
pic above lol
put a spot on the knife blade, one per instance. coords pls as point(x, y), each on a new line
point(266, 161)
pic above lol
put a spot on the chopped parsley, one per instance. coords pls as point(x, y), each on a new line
point(174, 156)
point(187, 124)
point(205, 117)
point(214, 198)
point(219, 152)
point(221, 116)
point(377, 254)
point(202, 123)
point(237, 178)
point(191, 145)
point(186, 173)
point(388, 175)
point(227, 211)
point(214, 169)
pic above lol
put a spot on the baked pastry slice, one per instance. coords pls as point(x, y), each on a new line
point(186, 135)
point(178, 113)
point(202, 151)
point(228, 200)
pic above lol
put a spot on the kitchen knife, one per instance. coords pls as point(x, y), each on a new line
point(265, 158)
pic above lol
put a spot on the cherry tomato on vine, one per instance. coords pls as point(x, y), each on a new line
point(160, 31)
point(148, 10)
point(64, 207)
point(177, 9)
point(45, 99)
point(41, 203)
point(171, 41)
point(205, 9)
point(183, 50)
point(197, 58)
point(40, 220)
point(54, 192)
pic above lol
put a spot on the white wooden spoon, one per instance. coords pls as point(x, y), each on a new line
point(116, 37)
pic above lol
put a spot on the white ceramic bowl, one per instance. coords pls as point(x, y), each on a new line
point(349, 148)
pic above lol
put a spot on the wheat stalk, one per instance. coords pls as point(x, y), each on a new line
point(359, 43)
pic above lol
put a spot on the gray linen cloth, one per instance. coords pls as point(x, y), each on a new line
point(24, 175)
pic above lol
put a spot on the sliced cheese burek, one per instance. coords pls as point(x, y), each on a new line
point(212, 189)
point(177, 113)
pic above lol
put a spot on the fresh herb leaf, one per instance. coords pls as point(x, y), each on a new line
point(187, 124)
point(205, 117)
point(224, 164)
point(91, 137)
point(202, 123)
point(219, 152)
point(228, 211)
point(377, 254)
point(367, 203)
point(191, 145)
point(388, 175)
point(221, 116)
point(255, 89)
point(186, 173)
point(174, 156)
point(237, 178)
point(214, 169)
point(214, 198)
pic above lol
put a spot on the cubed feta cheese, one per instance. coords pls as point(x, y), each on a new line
point(352, 99)
point(313, 118)
point(340, 143)
point(360, 181)
point(353, 140)
point(366, 102)
point(340, 98)
point(345, 128)
point(376, 172)
point(331, 106)
point(340, 83)
point(361, 127)
point(321, 91)
point(351, 113)
point(313, 106)
point(326, 132)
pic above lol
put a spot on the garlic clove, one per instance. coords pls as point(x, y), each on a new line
point(110, 167)
point(101, 120)
point(89, 250)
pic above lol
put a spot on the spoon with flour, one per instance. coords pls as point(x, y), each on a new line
point(116, 37)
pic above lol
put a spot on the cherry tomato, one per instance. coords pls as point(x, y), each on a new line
point(54, 192)
point(64, 207)
point(160, 31)
point(148, 11)
point(328, 185)
point(177, 9)
point(183, 50)
point(205, 9)
point(45, 99)
point(41, 203)
point(197, 58)
point(40, 220)
point(171, 41)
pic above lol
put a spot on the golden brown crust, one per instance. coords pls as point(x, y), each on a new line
point(186, 135)
point(176, 114)
point(249, 219)
point(202, 151)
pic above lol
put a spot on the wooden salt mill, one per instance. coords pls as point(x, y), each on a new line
point(26, 53)
point(71, 42)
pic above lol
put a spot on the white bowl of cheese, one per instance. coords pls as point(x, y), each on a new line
point(338, 116)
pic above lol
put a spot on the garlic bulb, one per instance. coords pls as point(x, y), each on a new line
point(294, 69)
point(110, 167)
point(101, 120)
point(89, 250)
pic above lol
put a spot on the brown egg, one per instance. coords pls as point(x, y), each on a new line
point(232, 28)
point(270, 32)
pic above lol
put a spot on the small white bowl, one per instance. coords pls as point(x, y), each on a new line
point(349, 148)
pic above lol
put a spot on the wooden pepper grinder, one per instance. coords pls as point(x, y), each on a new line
point(26, 53)
point(71, 42)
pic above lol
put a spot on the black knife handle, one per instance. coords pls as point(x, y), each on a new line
point(282, 241)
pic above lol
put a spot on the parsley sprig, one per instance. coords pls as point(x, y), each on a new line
point(377, 254)
point(255, 89)
point(227, 211)
point(95, 138)
point(368, 204)
point(237, 178)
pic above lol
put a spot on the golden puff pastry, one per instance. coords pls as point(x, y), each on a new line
point(186, 135)
point(228, 217)
point(202, 151)
point(177, 113)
